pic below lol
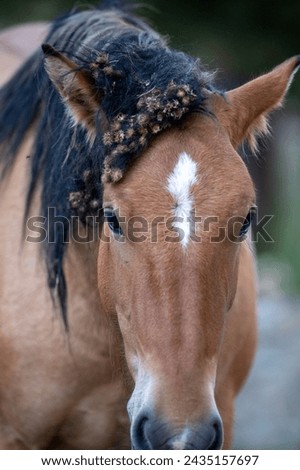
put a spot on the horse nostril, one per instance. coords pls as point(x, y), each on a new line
point(139, 439)
point(148, 432)
point(217, 438)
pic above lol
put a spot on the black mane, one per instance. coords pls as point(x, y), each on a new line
point(68, 167)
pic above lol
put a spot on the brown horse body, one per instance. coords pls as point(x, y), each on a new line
point(186, 311)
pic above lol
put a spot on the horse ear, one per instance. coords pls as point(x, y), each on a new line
point(75, 86)
point(245, 110)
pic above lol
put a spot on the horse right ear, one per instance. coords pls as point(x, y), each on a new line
point(76, 88)
point(244, 111)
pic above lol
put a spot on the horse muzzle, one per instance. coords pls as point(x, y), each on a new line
point(150, 432)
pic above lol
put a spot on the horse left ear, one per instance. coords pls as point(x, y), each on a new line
point(75, 86)
point(245, 110)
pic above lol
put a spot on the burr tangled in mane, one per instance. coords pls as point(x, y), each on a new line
point(128, 135)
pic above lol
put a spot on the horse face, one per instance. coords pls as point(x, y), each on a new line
point(170, 274)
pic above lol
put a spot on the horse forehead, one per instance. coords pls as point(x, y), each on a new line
point(196, 159)
point(183, 177)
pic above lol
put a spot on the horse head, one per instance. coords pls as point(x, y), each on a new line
point(168, 266)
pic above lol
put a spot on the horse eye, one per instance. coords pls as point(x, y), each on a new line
point(112, 221)
point(247, 222)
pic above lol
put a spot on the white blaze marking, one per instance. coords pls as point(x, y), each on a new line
point(180, 182)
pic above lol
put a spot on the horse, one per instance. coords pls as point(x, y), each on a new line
point(128, 280)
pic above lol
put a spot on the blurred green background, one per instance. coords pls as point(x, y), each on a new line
point(240, 39)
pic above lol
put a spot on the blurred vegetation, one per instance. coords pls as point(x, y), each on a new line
point(240, 39)
point(237, 35)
